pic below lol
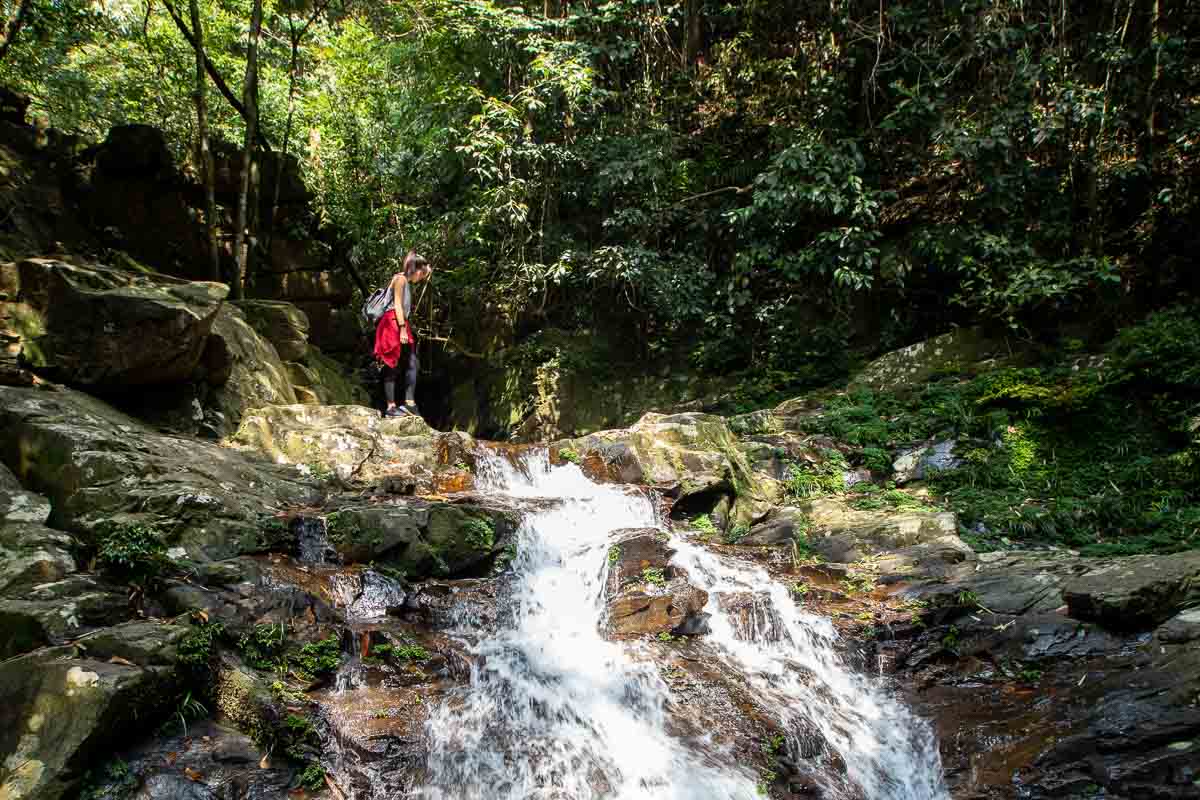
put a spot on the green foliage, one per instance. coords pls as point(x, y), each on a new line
point(815, 480)
point(343, 528)
point(655, 576)
point(570, 455)
point(480, 533)
point(614, 554)
point(665, 636)
point(114, 781)
point(704, 524)
point(406, 652)
point(132, 552)
point(196, 648)
point(319, 658)
point(264, 646)
point(735, 534)
point(312, 777)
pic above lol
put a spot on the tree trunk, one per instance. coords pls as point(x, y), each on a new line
point(204, 153)
point(12, 26)
point(293, 75)
point(241, 242)
point(211, 69)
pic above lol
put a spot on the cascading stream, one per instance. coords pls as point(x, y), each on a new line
point(554, 710)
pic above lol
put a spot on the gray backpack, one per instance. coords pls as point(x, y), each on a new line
point(379, 303)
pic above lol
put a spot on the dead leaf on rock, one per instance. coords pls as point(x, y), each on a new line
point(193, 775)
point(124, 661)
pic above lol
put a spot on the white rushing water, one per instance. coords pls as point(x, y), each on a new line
point(556, 711)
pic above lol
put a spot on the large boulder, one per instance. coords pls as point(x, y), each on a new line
point(135, 150)
point(282, 324)
point(844, 534)
point(59, 712)
point(421, 538)
point(109, 329)
point(1136, 592)
point(353, 442)
point(323, 381)
point(909, 368)
point(257, 376)
point(17, 504)
point(96, 464)
point(693, 457)
point(645, 593)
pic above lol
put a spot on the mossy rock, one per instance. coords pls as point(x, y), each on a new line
point(282, 324)
point(96, 464)
point(327, 381)
point(458, 540)
point(908, 369)
point(58, 713)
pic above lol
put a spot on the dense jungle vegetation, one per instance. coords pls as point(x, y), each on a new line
point(762, 193)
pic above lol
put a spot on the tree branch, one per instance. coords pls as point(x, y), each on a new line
point(13, 26)
point(217, 80)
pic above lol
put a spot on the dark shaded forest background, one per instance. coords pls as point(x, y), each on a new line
point(760, 193)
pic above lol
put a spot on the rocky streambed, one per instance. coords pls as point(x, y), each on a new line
point(329, 603)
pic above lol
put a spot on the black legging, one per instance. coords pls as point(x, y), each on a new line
point(406, 368)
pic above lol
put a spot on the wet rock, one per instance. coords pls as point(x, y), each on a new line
point(140, 329)
point(360, 534)
point(1136, 592)
point(1182, 628)
point(282, 324)
point(752, 614)
point(210, 760)
point(843, 534)
point(692, 456)
point(646, 594)
point(919, 463)
point(97, 464)
point(58, 713)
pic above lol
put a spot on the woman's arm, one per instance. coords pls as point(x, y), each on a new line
point(398, 282)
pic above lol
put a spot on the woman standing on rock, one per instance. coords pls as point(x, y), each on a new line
point(395, 344)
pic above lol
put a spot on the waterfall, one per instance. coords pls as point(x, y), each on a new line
point(555, 711)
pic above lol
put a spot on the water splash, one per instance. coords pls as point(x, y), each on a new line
point(831, 714)
point(554, 710)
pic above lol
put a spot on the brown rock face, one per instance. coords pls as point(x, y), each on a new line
point(646, 595)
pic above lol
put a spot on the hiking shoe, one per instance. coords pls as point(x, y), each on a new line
point(395, 412)
point(411, 408)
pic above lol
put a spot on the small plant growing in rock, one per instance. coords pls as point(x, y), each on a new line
point(263, 647)
point(800, 589)
point(132, 552)
point(320, 658)
point(736, 534)
point(480, 532)
point(313, 777)
point(614, 554)
point(654, 576)
point(196, 648)
point(950, 640)
point(967, 599)
point(705, 525)
point(411, 652)
point(1030, 675)
point(189, 708)
point(272, 533)
point(570, 455)
point(666, 636)
point(113, 781)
